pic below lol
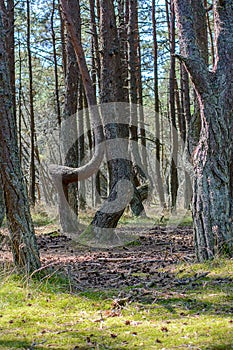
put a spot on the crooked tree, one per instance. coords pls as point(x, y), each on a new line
point(116, 126)
point(212, 157)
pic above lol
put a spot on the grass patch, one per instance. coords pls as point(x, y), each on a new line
point(179, 219)
point(43, 314)
point(40, 216)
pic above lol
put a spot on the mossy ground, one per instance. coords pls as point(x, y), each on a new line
point(195, 314)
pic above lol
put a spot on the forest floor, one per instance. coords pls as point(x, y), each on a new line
point(149, 294)
point(135, 264)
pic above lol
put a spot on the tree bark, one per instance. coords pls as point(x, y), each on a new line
point(68, 212)
point(32, 181)
point(174, 183)
point(157, 111)
point(58, 108)
point(22, 237)
point(2, 205)
point(213, 226)
point(111, 91)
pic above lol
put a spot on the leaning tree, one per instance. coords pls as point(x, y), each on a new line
point(212, 157)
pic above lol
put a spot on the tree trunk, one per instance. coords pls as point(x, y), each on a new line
point(157, 111)
point(134, 80)
point(32, 181)
point(211, 201)
point(2, 205)
point(212, 157)
point(185, 102)
point(8, 10)
point(174, 184)
point(69, 213)
point(81, 147)
point(58, 108)
point(22, 237)
point(116, 124)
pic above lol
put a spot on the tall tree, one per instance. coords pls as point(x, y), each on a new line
point(69, 214)
point(157, 110)
point(57, 97)
point(212, 158)
point(32, 189)
point(172, 105)
point(22, 237)
point(111, 92)
point(135, 84)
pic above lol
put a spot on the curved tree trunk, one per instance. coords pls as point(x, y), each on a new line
point(69, 213)
point(65, 175)
point(212, 157)
point(116, 126)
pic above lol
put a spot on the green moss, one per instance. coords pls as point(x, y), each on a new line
point(41, 311)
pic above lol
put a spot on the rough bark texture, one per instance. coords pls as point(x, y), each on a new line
point(69, 213)
point(2, 205)
point(23, 241)
point(57, 93)
point(213, 156)
point(8, 22)
point(185, 102)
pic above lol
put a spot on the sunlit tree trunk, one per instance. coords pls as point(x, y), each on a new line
point(54, 41)
point(174, 135)
point(157, 111)
point(212, 158)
